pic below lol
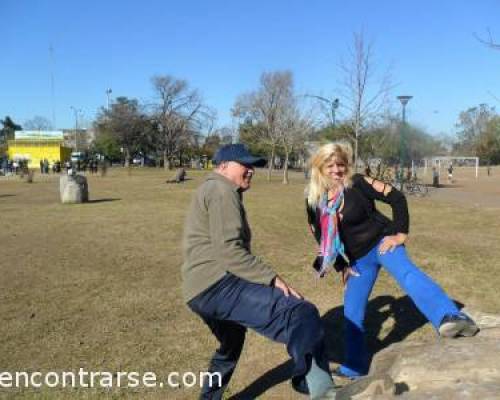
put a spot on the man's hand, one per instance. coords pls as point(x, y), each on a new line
point(280, 284)
point(389, 243)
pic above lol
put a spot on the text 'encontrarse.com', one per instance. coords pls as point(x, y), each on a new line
point(106, 379)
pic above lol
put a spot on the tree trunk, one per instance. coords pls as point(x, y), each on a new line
point(285, 168)
point(166, 163)
point(270, 164)
point(356, 141)
point(126, 154)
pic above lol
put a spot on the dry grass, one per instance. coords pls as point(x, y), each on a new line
point(97, 285)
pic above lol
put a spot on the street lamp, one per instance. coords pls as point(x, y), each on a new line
point(402, 145)
point(334, 104)
point(108, 94)
point(76, 111)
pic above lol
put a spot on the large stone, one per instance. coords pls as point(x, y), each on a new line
point(463, 368)
point(73, 189)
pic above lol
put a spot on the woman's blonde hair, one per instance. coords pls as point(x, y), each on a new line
point(319, 184)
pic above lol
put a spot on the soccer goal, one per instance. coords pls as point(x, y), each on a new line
point(445, 162)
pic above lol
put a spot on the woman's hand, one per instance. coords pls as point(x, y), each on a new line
point(389, 243)
point(347, 272)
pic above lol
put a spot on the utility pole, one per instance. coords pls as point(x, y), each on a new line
point(76, 111)
point(402, 143)
point(52, 89)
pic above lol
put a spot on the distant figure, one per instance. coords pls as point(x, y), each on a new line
point(180, 176)
point(488, 170)
point(408, 174)
point(41, 166)
point(450, 173)
point(435, 177)
point(104, 168)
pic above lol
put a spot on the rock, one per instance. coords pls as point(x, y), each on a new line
point(454, 369)
point(367, 388)
point(73, 189)
point(483, 320)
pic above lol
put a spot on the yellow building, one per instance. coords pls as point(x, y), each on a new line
point(34, 146)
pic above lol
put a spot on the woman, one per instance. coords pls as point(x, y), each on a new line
point(357, 239)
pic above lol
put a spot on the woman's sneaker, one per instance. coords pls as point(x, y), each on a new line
point(454, 325)
point(338, 373)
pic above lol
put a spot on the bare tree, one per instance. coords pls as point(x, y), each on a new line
point(363, 97)
point(266, 107)
point(295, 128)
point(178, 113)
point(489, 41)
point(38, 123)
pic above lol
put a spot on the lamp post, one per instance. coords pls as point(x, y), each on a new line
point(76, 111)
point(402, 144)
point(108, 94)
point(334, 104)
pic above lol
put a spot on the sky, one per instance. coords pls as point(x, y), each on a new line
point(222, 47)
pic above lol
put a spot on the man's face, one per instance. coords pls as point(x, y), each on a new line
point(239, 174)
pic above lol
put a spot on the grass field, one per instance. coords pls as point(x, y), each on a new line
point(97, 285)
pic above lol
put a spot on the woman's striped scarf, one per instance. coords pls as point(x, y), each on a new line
point(331, 245)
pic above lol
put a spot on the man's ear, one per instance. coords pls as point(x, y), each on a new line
point(222, 166)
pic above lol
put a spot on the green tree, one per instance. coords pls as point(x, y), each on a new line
point(249, 133)
point(330, 133)
point(107, 145)
point(7, 133)
point(212, 143)
point(126, 123)
point(472, 123)
point(488, 143)
point(8, 128)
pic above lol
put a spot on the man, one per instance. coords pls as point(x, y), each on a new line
point(232, 290)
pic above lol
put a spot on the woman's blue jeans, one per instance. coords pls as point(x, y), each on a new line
point(428, 297)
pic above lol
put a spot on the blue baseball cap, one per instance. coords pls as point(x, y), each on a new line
point(238, 153)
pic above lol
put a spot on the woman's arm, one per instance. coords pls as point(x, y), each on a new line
point(375, 189)
point(312, 220)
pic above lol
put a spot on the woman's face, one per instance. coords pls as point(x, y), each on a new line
point(335, 171)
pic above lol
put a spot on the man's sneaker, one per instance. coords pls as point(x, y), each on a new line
point(299, 384)
point(454, 325)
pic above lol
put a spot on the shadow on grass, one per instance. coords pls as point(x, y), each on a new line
point(445, 186)
point(178, 183)
point(102, 200)
point(407, 319)
point(6, 195)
